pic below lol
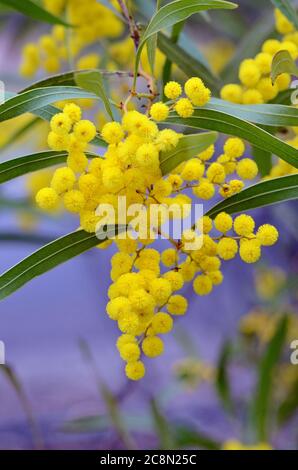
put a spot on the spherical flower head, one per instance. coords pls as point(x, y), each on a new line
point(252, 96)
point(227, 248)
point(122, 262)
point(249, 73)
point(160, 289)
point(247, 169)
point(176, 280)
point(112, 133)
point(63, 180)
point(113, 179)
point(135, 370)
point(205, 190)
point(141, 301)
point(283, 81)
point(128, 323)
point(291, 48)
point(118, 307)
point(193, 170)
point(177, 305)
point(202, 285)
point(264, 62)
point(167, 139)
point(172, 90)
point(58, 142)
point(159, 111)
point(216, 277)
point(210, 263)
point(89, 220)
point(88, 184)
point(207, 154)
point(85, 131)
point(176, 181)
point(74, 201)
point(223, 222)
point(197, 92)
point(216, 173)
point(130, 352)
point(61, 124)
point(267, 235)
point(153, 346)
point(232, 92)
point(162, 323)
point(268, 90)
point(187, 270)
point(244, 225)
point(125, 339)
point(47, 199)
point(77, 161)
point(169, 257)
point(147, 156)
point(250, 251)
point(127, 245)
point(283, 25)
point(271, 46)
point(234, 147)
point(236, 186)
point(204, 224)
point(184, 108)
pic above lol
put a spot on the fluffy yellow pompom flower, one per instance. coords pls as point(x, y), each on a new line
point(128, 323)
point(227, 248)
point(283, 25)
point(207, 154)
point(249, 73)
point(244, 225)
point(232, 92)
point(167, 139)
point(130, 352)
point(159, 111)
point(184, 108)
point(113, 179)
point(162, 323)
point(58, 142)
point(216, 173)
point(247, 169)
point(177, 305)
point(271, 46)
point(125, 339)
point(169, 257)
point(175, 279)
point(88, 221)
point(223, 222)
point(250, 251)
point(61, 124)
point(147, 156)
point(268, 90)
point(74, 201)
point(172, 90)
point(152, 346)
point(267, 235)
point(283, 81)
point(205, 190)
point(73, 112)
point(234, 147)
point(63, 180)
point(202, 285)
point(193, 170)
point(47, 199)
point(160, 289)
point(112, 133)
point(252, 96)
point(197, 92)
point(85, 130)
point(135, 370)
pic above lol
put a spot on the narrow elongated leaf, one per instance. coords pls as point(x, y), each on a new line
point(217, 121)
point(264, 114)
point(286, 7)
point(50, 256)
point(167, 69)
point(283, 63)
point(175, 12)
point(263, 159)
point(162, 426)
point(222, 378)
point(284, 188)
point(93, 82)
point(33, 10)
point(22, 165)
point(188, 146)
point(189, 64)
point(289, 405)
point(188, 438)
point(262, 399)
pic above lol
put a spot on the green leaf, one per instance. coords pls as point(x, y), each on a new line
point(283, 63)
point(167, 69)
point(289, 405)
point(188, 146)
point(222, 379)
point(190, 65)
point(205, 118)
point(93, 82)
point(31, 9)
point(188, 438)
point(263, 394)
point(286, 7)
point(263, 159)
point(22, 165)
point(50, 256)
point(274, 115)
point(173, 13)
point(162, 427)
point(249, 46)
point(273, 191)
point(29, 238)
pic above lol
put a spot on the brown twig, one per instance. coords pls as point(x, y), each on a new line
point(133, 28)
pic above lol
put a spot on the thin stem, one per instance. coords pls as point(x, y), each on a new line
point(134, 31)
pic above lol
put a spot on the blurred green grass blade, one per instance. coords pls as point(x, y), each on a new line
point(264, 389)
point(162, 427)
point(33, 10)
point(286, 7)
point(188, 146)
point(86, 424)
point(288, 408)
point(222, 380)
point(204, 118)
point(263, 159)
point(48, 257)
point(273, 191)
point(188, 438)
point(190, 65)
point(283, 63)
point(249, 46)
point(93, 82)
point(20, 166)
